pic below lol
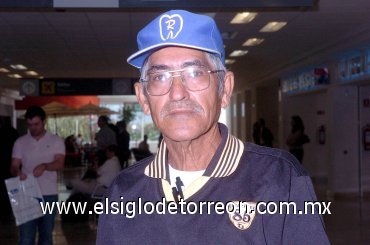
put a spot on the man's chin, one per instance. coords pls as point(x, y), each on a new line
point(183, 133)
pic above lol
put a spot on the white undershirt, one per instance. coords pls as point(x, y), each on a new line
point(187, 177)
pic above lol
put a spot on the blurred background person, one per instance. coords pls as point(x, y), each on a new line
point(142, 151)
point(266, 137)
point(72, 151)
point(80, 141)
point(104, 174)
point(41, 154)
point(104, 137)
point(144, 146)
point(261, 134)
point(256, 133)
point(297, 138)
point(123, 141)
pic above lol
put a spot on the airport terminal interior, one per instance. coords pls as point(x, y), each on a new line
point(306, 59)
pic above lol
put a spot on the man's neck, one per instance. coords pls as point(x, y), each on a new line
point(39, 136)
point(195, 154)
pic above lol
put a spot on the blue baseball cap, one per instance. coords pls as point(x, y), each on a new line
point(178, 28)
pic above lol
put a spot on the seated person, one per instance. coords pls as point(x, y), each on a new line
point(105, 174)
point(143, 146)
point(91, 170)
point(72, 155)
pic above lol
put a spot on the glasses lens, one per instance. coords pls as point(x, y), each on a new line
point(196, 78)
point(158, 83)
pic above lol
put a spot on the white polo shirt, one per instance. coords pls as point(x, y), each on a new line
point(32, 152)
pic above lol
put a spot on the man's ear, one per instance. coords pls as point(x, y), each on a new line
point(228, 89)
point(142, 97)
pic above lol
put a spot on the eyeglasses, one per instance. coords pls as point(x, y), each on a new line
point(193, 78)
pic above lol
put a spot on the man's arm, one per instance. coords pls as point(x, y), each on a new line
point(55, 165)
point(15, 168)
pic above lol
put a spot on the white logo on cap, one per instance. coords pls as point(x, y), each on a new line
point(172, 26)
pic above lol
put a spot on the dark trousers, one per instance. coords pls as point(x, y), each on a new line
point(44, 225)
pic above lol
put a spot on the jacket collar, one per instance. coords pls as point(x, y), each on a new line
point(223, 163)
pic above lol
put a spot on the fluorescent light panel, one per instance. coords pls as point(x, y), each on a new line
point(237, 53)
point(273, 26)
point(242, 18)
point(32, 73)
point(229, 61)
point(253, 41)
point(4, 70)
point(18, 67)
point(14, 76)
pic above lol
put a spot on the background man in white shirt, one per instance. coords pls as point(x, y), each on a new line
point(40, 154)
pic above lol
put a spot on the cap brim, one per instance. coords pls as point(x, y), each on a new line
point(137, 59)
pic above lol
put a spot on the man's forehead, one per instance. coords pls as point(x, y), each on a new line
point(35, 119)
point(169, 58)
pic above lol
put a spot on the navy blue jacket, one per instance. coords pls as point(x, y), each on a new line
point(237, 172)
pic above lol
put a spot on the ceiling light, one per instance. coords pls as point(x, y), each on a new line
point(4, 70)
point(241, 18)
point(253, 41)
point(14, 76)
point(273, 26)
point(229, 61)
point(237, 53)
point(32, 73)
point(18, 67)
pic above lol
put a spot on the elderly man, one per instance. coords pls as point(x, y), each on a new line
point(203, 185)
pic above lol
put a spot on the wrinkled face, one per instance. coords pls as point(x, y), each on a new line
point(36, 126)
point(182, 114)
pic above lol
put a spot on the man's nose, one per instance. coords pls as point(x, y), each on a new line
point(178, 91)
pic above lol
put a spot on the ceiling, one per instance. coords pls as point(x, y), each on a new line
point(95, 43)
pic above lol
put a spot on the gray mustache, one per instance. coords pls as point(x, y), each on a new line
point(188, 105)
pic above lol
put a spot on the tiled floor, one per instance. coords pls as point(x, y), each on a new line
point(346, 225)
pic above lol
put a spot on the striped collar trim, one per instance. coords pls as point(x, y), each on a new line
point(157, 168)
point(230, 157)
point(221, 165)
